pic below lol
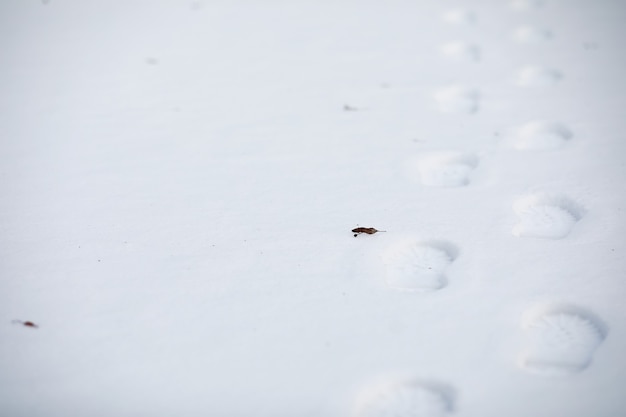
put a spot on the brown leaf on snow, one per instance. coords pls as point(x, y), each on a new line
point(26, 323)
point(368, 230)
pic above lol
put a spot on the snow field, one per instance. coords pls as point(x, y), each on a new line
point(182, 179)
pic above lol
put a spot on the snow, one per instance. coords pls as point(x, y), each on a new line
point(180, 180)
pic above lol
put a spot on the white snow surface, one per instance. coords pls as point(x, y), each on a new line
point(179, 181)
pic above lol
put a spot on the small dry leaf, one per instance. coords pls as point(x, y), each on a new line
point(368, 230)
point(26, 323)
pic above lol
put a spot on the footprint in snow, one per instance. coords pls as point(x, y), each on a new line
point(537, 76)
point(444, 169)
point(531, 34)
point(545, 216)
point(460, 17)
point(562, 341)
point(524, 5)
point(418, 266)
point(458, 99)
point(405, 399)
point(540, 135)
point(461, 51)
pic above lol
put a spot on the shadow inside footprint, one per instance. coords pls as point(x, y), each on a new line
point(562, 341)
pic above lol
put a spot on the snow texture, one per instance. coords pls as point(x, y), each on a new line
point(180, 179)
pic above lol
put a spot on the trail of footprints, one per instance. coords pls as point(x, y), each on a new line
point(560, 340)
